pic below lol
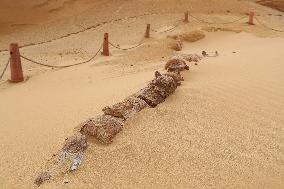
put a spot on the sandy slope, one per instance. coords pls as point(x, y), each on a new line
point(276, 4)
point(74, 15)
point(222, 128)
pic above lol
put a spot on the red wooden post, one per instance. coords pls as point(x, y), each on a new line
point(105, 45)
point(15, 64)
point(147, 34)
point(251, 15)
point(186, 17)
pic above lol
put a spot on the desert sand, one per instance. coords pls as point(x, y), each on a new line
point(222, 128)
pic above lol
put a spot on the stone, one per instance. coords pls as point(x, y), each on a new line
point(157, 90)
point(75, 144)
point(104, 128)
point(176, 64)
point(165, 82)
point(176, 77)
point(152, 95)
point(126, 108)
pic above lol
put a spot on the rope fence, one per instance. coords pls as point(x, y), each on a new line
point(177, 24)
point(126, 49)
point(201, 20)
point(78, 32)
point(5, 69)
point(64, 66)
point(16, 56)
point(267, 27)
point(207, 22)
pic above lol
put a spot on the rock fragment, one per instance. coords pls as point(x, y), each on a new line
point(176, 77)
point(104, 128)
point(165, 82)
point(75, 144)
point(152, 95)
point(157, 90)
point(176, 64)
point(126, 108)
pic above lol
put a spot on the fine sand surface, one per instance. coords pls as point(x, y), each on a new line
point(223, 128)
point(276, 4)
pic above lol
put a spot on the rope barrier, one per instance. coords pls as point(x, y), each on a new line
point(103, 23)
point(171, 29)
point(267, 27)
point(125, 49)
point(80, 31)
point(176, 24)
point(65, 66)
point(207, 22)
point(4, 50)
point(168, 30)
point(5, 69)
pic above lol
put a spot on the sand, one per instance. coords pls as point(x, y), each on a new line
point(276, 4)
point(223, 128)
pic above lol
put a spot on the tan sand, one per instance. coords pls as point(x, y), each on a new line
point(223, 128)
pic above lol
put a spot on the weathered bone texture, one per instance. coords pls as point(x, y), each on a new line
point(176, 76)
point(152, 95)
point(157, 90)
point(176, 64)
point(75, 144)
point(126, 108)
point(164, 82)
point(104, 128)
point(73, 151)
point(69, 158)
point(191, 57)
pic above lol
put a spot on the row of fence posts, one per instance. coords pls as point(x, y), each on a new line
point(15, 58)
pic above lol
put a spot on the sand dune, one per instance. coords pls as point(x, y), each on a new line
point(223, 128)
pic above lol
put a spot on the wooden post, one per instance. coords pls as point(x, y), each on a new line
point(251, 15)
point(147, 34)
point(15, 64)
point(186, 17)
point(105, 45)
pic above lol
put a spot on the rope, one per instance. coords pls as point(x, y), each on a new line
point(168, 30)
point(207, 22)
point(119, 19)
point(4, 50)
point(66, 66)
point(125, 49)
point(5, 68)
point(81, 31)
point(171, 29)
point(267, 27)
